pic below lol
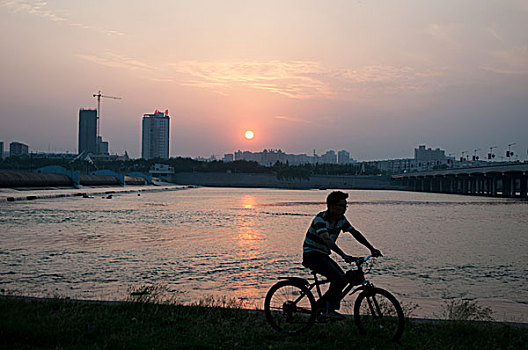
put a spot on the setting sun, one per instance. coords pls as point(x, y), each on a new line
point(249, 134)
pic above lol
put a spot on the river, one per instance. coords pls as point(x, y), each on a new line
point(235, 242)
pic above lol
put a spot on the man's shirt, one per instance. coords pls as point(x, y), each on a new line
point(313, 243)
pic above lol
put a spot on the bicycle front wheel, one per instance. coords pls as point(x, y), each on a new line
point(290, 307)
point(377, 313)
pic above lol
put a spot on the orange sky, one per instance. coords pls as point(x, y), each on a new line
point(376, 78)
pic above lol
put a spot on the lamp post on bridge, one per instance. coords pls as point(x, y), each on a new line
point(475, 156)
point(509, 152)
point(490, 154)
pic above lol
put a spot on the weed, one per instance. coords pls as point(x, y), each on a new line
point(466, 310)
point(151, 294)
point(409, 308)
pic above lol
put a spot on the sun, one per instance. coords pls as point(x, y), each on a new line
point(249, 134)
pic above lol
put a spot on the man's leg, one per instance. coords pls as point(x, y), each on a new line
point(327, 267)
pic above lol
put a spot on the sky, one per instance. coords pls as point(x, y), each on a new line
point(376, 78)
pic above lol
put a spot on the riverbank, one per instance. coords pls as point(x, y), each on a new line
point(356, 182)
point(32, 193)
point(219, 324)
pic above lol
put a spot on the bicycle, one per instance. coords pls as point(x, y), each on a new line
point(290, 306)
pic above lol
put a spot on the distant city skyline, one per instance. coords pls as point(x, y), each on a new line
point(374, 78)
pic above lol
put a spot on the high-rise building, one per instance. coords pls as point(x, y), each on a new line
point(155, 140)
point(87, 131)
point(17, 149)
point(343, 157)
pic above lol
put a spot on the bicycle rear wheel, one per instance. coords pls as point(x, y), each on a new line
point(377, 313)
point(290, 307)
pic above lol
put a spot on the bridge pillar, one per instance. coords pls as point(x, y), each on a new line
point(524, 185)
point(472, 182)
point(465, 185)
point(475, 179)
point(516, 184)
point(459, 184)
point(478, 184)
point(417, 184)
point(480, 187)
point(413, 184)
point(507, 188)
point(434, 184)
point(488, 186)
point(494, 185)
point(451, 180)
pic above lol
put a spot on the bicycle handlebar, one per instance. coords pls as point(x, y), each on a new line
point(361, 260)
point(367, 257)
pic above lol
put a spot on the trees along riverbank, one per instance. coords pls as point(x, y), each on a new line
point(179, 164)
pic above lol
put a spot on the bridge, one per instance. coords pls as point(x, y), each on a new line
point(505, 180)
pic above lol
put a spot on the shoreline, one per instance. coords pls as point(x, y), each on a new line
point(33, 193)
point(418, 320)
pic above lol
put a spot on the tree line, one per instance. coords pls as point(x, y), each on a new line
point(180, 164)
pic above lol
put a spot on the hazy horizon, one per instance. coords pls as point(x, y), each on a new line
point(375, 78)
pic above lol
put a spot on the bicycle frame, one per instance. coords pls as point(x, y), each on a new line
point(317, 283)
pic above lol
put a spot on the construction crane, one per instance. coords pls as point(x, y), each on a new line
point(99, 95)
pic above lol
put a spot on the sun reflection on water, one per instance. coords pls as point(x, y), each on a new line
point(249, 252)
point(248, 201)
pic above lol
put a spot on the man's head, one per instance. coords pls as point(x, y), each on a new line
point(336, 202)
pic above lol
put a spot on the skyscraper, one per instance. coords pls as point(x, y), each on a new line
point(155, 142)
point(87, 131)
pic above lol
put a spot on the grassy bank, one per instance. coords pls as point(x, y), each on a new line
point(66, 324)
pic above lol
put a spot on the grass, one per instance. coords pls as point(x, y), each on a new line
point(213, 323)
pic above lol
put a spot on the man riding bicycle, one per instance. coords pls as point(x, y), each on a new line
point(320, 241)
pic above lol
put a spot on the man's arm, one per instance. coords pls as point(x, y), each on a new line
point(331, 244)
point(361, 239)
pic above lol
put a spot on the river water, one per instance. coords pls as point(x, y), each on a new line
point(235, 242)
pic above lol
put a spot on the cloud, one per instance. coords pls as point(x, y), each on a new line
point(291, 119)
point(495, 33)
point(306, 79)
point(40, 9)
point(388, 80)
point(293, 79)
point(512, 62)
point(140, 68)
point(446, 32)
point(110, 59)
point(36, 8)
